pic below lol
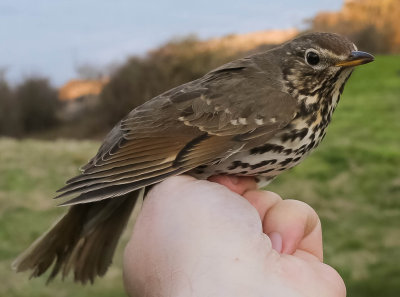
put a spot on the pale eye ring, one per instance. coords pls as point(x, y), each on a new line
point(312, 57)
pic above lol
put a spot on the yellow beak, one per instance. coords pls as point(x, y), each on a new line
point(356, 58)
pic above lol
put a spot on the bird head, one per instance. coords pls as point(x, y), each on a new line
point(319, 63)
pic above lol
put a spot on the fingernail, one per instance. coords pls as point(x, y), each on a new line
point(276, 241)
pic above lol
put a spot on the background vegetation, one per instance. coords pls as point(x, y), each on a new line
point(29, 107)
point(374, 25)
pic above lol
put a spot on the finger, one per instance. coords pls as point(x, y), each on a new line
point(297, 224)
point(291, 225)
point(237, 184)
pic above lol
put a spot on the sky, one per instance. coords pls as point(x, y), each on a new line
point(53, 37)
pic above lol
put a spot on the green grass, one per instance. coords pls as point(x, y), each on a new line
point(352, 180)
point(31, 171)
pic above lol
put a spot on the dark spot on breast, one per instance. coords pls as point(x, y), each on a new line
point(267, 148)
point(325, 110)
point(344, 83)
point(323, 136)
point(266, 171)
point(237, 164)
point(285, 162)
point(294, 134)
point(287, 151)
point(312, 119)
point(300, 150)
point(310, 145)
point(263, 163)
point(317, 127)
point(302, 111)
point(296, 159)
point(306, 109)
point(234, 165)
point(328, 118)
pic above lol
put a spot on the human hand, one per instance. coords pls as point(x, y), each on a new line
point(198, 238)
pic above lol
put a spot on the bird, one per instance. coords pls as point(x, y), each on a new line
point(256, 116)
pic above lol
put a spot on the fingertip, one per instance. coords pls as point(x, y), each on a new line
point(299, 226)
point(312, 242)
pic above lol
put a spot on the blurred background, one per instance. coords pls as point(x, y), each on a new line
point(70, 70)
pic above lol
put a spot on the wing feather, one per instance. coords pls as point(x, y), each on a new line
point(198, 123)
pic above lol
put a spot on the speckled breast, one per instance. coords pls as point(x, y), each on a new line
point(284, 151)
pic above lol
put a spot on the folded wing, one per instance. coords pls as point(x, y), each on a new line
point(198, 123)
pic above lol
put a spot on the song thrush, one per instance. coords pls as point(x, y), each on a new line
point(256, 116)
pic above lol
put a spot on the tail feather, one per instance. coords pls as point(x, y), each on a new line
point(83, 241)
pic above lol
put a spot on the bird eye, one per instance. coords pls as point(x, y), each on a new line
point(312, 58)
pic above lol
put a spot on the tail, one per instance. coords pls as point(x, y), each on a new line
point(83, 240)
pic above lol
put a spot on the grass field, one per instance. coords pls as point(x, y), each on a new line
point(352, 180)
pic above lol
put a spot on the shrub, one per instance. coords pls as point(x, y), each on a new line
point(37, 103)
point(10, 124)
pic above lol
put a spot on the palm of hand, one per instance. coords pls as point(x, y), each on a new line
point(208, 241)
